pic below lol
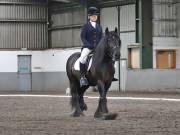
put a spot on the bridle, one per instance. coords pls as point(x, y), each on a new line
point(109, 50)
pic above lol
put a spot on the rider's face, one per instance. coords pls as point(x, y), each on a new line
point(93, 18)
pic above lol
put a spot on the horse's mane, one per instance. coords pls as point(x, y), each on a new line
point(100, 50)
point(100, 54)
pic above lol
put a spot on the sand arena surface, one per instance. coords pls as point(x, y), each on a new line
point(20, 115)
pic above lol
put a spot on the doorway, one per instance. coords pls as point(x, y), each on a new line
point(24, 72)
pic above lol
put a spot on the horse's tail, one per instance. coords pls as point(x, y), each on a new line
point(72, 79)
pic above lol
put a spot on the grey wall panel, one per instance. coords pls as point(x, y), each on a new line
point(69, 17)
point(79, 16)
point(164, 29)
point(23, 35)
point(164, 11)
point(22, 12)
point(164, 18)
point(109, 18)
point(65, 28)
point(127, 28)
point(158, 80)
point(61, 19)
point(22, 1)
point(153, 80)
point(23, 24)
point(178, 20)
point(61, 38)
point(52, 81)
point(76, 37)
point(8, 82)
point(163, 1)
point(126, 40)
point(127, 18)
point(65, 38)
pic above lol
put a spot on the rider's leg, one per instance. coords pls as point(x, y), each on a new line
point(83, 69)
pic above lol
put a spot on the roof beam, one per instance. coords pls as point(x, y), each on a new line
point(115, 3)
point(81, 2)
point(65, 1)
point(87, 3)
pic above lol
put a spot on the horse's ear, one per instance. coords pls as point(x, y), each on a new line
point(107, 30)
point(116, 30)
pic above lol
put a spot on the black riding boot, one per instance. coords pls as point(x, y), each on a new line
point(114, 79)
point(83, 80)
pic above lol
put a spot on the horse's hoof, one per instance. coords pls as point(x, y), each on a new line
point(106, 116)
point(84, 107)
point(97, 115)
point(77, 114)
point(109, 116)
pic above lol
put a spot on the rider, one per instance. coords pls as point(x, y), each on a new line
point(91, 34)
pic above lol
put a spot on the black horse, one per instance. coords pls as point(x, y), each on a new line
point(101, 74)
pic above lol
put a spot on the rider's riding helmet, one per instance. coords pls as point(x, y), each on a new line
point(93, 11)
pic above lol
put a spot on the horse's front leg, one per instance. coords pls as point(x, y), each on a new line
point(102, 106)
point(102, 110)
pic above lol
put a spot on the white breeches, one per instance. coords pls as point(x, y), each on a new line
point(84, 54)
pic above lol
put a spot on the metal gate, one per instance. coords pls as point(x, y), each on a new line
point(24, 72)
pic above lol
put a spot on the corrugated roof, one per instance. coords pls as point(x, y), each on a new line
point(99, 3)
point(66, 1)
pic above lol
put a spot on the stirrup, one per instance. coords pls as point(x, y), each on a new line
point(114, 79)
point(83, 81)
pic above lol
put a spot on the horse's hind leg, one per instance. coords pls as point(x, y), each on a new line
point(75, 99)
point(83, 105)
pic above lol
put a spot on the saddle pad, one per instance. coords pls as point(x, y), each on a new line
point(76, 65)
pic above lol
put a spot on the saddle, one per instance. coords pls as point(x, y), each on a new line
point(88, 62)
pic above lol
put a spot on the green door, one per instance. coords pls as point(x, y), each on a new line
point(24, 72)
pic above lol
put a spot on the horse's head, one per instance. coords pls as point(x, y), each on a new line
point(113, 44)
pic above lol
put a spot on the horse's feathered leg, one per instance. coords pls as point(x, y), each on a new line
point(75, 99)
point(102, 106)
point(82, 104)
point(102, 110)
